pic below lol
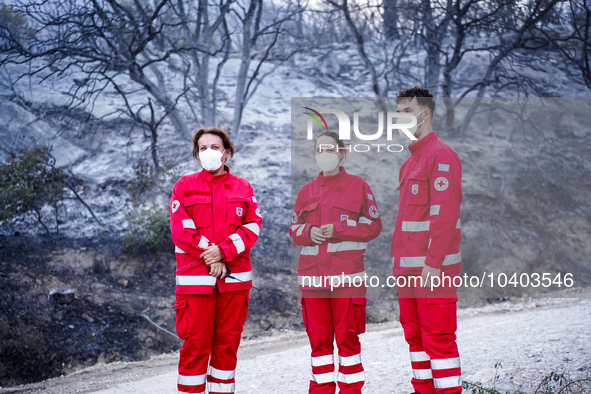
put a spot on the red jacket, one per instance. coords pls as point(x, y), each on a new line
point(207, 210)
point(348, 203)
point(427, 227)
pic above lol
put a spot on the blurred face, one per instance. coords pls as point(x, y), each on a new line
point(212, 141)
point(328, 145)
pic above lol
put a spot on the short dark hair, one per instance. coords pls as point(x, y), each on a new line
point(422, 94)
point(215, 131)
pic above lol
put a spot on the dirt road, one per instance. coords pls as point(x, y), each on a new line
point(530, 338)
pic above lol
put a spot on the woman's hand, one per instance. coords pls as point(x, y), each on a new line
point(218, 270)
point(212, 255)
point(327, 230)
point(317, 235)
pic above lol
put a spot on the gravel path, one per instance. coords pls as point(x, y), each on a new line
point(530, 338)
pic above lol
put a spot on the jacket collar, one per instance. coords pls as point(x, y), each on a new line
point(209, 177)
point(418, 146)
point(325, 180)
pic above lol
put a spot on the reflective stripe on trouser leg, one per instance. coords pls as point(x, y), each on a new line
point(350, 377)
point(194, 353)
point(439, 341)
point(231, 311)
point(419, 359)
point(318, 321)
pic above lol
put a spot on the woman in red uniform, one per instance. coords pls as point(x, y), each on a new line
point(214, 221)
point(334, 217)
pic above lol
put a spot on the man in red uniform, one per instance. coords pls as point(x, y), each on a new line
point(215, 220)
point(426, 244)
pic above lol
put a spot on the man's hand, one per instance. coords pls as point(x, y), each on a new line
point(317, 235)
point(218, 270)
point(327, 230)
point(212, 255)
point(427, 275)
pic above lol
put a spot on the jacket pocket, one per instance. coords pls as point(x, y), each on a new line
point(237, 206)
point(441, 316)
point(343, 210)
point(310, 214)
point(199, 209)
point(418, 188)
point(182, 319)
point(356, 318)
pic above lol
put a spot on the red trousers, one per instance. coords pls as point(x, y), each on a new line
point(329, 316)
point(430, 330)
point(211, 326)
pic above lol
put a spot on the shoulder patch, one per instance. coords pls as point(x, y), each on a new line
point(441, 184)
point(258, 212)
point(373, 211)
point(443, 167)
point(294, 217)
point(175, 205)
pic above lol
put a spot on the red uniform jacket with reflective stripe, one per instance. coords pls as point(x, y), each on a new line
point(427, 227)
point(348, 203)
point(207, 210)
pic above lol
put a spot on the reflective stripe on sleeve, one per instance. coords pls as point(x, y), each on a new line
point(189, 223)
point(450, 381)
point(351, 377)
point(238, 243)
point(446, 363)
point(346, 245)
point(253, 227)
point(434, 209)
point(203, 242)
point(296, 226)
point(364, 220)
point(195, 280)
point(351, 223)
point(416, 226)
point(458, 224)
point(319, 361)
point(221, 374)
point(178, 250)
point(422, 373)
point(195, 380)
point(350, 360)
point(243, 276)
point(301, 230)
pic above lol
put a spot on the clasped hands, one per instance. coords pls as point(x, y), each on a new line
point(214, 259)
point(320, 234)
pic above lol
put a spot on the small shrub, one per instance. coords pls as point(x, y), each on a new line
point(149, 230)
point(28, 181)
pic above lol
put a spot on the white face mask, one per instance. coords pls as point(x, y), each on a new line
point(327, 161)
point(413, 130)
point(211, 159)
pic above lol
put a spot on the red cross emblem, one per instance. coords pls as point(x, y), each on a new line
point(441, 184)
point(175, 205)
